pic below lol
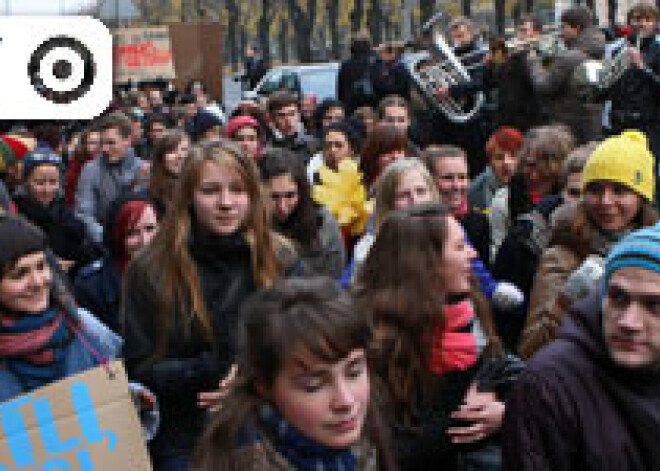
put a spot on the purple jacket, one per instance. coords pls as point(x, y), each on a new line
point(574, 409)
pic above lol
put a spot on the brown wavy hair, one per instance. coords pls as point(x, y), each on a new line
point(175, 283)
point(402, 263)
point(310, 313)
point(382, 139)
point(162, 182)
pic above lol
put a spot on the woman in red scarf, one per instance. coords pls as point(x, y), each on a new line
point(432, 333)
point(44, 337)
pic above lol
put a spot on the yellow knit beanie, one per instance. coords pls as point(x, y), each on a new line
point(624, 159)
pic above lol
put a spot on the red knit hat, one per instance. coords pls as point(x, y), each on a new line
point(238, 122)
point(13, 148)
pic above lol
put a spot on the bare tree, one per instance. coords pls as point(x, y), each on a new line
point(303, 26)
point(426, 10)
point(375, 21)
point(265, 22)
point(500, 16)
point(466, 8)
point(357, 13)
point(233, 17)
point(284, 40)
point(333, 25)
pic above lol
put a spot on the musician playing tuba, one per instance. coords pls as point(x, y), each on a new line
point(635, 97)
point(469, 50)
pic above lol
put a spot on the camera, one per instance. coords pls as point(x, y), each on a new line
point(56, 67)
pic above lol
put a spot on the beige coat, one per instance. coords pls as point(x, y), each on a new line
point(547, 303)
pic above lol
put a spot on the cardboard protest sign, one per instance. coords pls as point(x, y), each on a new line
point(84, 422)
point(142, 54)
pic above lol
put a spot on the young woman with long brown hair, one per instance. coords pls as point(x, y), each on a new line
point(169, 154)
point(303, 398)
point(183, 293)
point(432, 333)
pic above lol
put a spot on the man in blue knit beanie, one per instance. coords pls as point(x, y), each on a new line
point(591, 399)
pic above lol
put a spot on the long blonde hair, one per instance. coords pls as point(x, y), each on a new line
point(167, 264)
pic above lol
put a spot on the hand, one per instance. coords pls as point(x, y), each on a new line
point(507, 296)
point(66, 264)
point(583, 280)
point(483, 412)
point(636, 58)
point(145, 170)
point(442, 91)
point(488, 58)
point(212, 400)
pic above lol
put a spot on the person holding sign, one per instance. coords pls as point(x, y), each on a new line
point(184, 290)
point(44, 337)
point(301, 399)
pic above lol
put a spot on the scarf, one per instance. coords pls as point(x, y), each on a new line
point(33, 346)
point(301, 452)
point(454, 345)
point(463, 209)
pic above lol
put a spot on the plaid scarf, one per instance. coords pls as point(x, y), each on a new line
point(33, 346)
point(301, 452)
point(454, 345)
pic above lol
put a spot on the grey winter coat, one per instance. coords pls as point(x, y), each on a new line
point(558, 91)
point(99, 184)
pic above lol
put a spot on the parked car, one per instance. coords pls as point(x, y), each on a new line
point(319, 79)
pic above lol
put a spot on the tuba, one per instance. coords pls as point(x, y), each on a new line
point(594, 76)
point(441, 67)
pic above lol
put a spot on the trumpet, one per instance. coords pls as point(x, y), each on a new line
point(546, 45)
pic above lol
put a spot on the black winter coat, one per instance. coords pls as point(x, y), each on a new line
point(352, 70)
point(97, 288)
point(573, 409)
point(477, 228)
point(66, 234)
point(517, 104)
point(191, 363)
point(636, 96)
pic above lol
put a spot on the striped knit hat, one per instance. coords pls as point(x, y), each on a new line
point(638, 249)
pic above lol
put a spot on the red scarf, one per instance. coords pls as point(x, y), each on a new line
point(535, 197)
point(463, 209)
point(454, 348)
point(32, 343)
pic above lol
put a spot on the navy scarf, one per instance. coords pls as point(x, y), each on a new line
point(301, 452)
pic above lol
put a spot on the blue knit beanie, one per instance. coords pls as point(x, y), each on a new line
point(40, 156)
point(638, 249)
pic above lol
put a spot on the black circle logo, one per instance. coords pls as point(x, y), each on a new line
point(62, 69)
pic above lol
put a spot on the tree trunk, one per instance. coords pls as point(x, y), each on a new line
point(267, 16)
point(375, 22)
point(303, 25)
point(612, 7)
point(356, 15)
point(529, 6)
point(233, 15)
point(333, 20)
point(466, 8)
point(500, 16)
point(284, 41)
point(426, 10)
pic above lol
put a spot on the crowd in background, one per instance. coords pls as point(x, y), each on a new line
point(361, 283)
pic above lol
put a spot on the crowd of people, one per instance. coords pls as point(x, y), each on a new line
point(498, 307)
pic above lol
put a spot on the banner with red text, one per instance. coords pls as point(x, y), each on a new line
point(143, 54)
